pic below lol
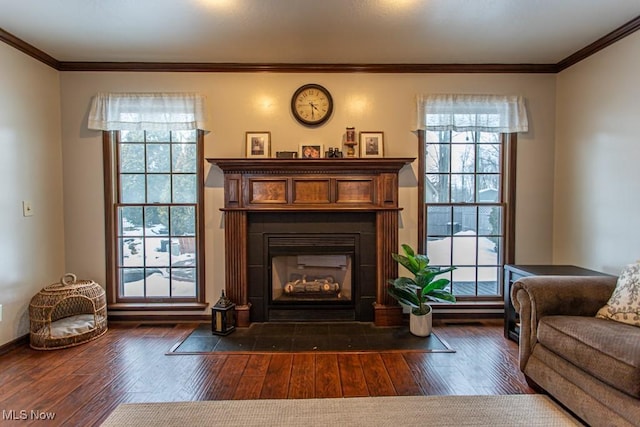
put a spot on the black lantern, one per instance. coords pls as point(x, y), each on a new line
point(223, 316)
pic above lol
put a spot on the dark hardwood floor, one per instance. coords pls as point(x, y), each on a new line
point(82, 385)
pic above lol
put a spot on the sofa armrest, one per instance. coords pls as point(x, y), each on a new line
point(537, 296)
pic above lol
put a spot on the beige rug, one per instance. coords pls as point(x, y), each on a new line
point(513, 410)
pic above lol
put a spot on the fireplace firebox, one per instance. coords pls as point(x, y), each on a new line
point(326, 275)
point(311, 270)
point(311, 239)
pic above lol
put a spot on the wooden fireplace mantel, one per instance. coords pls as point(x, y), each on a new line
point(304, 185)
point(324, 165)
point(311, 184)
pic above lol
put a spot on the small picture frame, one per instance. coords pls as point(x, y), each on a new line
point(286, 154)
point(311, 151)
point(371, 144)
point(258, 145)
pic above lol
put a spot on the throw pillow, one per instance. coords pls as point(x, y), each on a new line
point(624, 304)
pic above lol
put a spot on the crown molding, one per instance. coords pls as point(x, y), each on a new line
point(190, 67)
point(614, 36)
point(30, 50)
point(305, 68)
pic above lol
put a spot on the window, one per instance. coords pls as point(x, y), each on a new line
point(467, 187)
point(465, 210)
point(155, 223)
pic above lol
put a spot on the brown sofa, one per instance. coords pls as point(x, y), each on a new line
point(590, 365)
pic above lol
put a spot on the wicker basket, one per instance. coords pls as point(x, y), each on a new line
point(68, 313)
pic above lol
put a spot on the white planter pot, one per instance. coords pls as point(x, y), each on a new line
point(420, 324)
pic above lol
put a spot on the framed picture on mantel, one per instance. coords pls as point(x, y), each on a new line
point(311, 151)
point(371, 144)
point(258, 145)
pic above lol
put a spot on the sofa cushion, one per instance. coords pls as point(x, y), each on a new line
point(624, 304)
point(610, 351)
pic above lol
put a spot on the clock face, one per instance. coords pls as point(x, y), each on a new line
point(312, 105)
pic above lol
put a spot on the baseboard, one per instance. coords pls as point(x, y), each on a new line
point(11, 345)
point(159, 318)
point(466, 316)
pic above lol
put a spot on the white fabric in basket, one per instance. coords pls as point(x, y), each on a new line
point(72, 325)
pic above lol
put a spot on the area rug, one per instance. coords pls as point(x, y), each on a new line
point(512, 410)
point(308, 337)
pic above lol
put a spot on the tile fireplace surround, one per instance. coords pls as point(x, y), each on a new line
point(269, 198)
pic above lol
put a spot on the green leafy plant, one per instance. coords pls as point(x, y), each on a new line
point(416, 292)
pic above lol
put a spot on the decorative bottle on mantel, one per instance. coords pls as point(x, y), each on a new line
point(350, 142)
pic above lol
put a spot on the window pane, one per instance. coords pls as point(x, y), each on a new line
point(183, 282)
point(467, 218)
point(439, 221)
point(184, 188)
point(438, 158)
point(489, 158)
point(439, 251)
point(130, 223)
point(183, 220)
point(157, 251)
point(132, 136)
point(437, 188)
point(156, 220)
point(132, 158)
point(157, 285)
point(132, 282)
point(488, 137)
point(435, 136)
point(463, 158)
point(159, 188)
point(462, 137)
point(182, 136)
point(488, 188)
point(464, 281)
point(131, 252)
point(490, 220)
point(185, 253)
point(488, 281)
point(462, 188)
point(158, 158)
point(464, 250)
point(159, 136)
point(184, 158)
point(132, 188)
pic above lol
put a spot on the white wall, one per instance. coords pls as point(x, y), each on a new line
point(31, 248)
point(597, 189)
point(240, 102)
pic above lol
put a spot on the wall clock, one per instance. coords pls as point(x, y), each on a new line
point(311, 104)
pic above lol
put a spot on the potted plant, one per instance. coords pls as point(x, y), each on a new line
point(416, 292)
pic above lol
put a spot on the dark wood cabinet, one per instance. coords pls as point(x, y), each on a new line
point(514, 272)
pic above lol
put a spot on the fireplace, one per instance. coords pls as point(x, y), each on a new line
point(311, 239)
point(297, 275)
point(311, 270)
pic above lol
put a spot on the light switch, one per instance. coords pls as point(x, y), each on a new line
point(0, 312)
point(27, 209)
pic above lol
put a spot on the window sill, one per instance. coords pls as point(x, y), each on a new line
point(186, 306)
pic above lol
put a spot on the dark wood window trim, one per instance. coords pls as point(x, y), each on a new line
point(509, 156)
point(110, 174)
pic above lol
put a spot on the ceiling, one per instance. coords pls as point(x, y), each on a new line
point(314, 31)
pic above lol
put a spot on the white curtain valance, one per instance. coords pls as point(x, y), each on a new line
point(484, 113)
point(148, 111)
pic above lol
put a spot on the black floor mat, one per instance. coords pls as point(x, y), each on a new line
point(309, 337)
